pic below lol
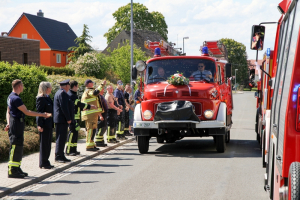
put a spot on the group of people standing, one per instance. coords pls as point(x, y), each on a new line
point(109, 113)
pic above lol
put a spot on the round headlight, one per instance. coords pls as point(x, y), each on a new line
point(208, 114)
point(140, 65)
point(147, 114)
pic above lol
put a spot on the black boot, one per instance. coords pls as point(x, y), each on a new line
point(21, 171)
point(101, 144)
point(14, 172)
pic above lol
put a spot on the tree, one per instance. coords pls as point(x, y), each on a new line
point(120, 60)
point(83, 46)
point(237, 56)
point(142, 19)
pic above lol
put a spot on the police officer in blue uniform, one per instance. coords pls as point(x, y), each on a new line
point(71, 149)
point(62, 116)
point(16, 111)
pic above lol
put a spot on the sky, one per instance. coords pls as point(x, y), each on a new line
point(200, 20)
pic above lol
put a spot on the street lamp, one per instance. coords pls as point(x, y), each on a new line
point(235, 79)
point(183, 44)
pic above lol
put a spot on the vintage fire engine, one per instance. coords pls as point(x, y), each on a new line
point(201, 108)
point(282, 178)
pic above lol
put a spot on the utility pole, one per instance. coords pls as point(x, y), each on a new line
point(131, 44)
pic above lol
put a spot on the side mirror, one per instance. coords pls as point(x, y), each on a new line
point(257, 38)
point(134, 72)
point(228, 70)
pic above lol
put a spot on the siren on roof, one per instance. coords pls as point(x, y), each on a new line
point(204, 51)
point(157, 52)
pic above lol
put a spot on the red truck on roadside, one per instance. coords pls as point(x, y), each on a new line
point(200, 108)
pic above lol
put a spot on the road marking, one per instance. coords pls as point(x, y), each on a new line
point(27, 190)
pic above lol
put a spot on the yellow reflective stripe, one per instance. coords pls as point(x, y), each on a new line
point(72, 145)
point(77, 116)
point(87, 112)
point(76, 101)
point(99, 87)
point(89, 100)
point(99, 131)
point(120, 132)
point(91, 93)
point(126, 129)
point(15, 163)
point(90, 144)
point(13, 147)
point(69, 143)
point(84, 106)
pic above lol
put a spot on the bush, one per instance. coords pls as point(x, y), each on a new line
point(31, 142)
point(57, 70)
point(31, 77)
point(88, 64)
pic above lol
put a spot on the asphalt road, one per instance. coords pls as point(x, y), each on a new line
point(188, 169)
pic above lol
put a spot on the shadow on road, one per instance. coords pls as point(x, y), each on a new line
point(207, 149)
point(45, 194)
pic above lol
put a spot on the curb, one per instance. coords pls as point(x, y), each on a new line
point(59, 169)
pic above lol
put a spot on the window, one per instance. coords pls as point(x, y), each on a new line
point(24, 36)
point(58, 58)
point(25, 58)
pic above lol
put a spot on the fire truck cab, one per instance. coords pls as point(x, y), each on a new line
point(202, 108)
point(282, 178)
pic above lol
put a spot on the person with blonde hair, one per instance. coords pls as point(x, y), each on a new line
point(45, 126)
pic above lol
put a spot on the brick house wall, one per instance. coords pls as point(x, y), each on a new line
point(23, 51)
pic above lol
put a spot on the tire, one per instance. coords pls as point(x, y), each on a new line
point(215, 140)
point(263, 149)
point(220, 143)
point(143, 144)
point(227, 137)
point(160, 140)
point(294, 181)
point(170, 140)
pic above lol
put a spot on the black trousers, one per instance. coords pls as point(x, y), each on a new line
point(101, 129)
point(45, 146)
point(121, 122)
point(73, 137)
point(16, 139)
point(61, 138)
point(126, 129)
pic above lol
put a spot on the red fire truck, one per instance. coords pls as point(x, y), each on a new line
point(282, 178)
point(201, 108)
point(264, 96)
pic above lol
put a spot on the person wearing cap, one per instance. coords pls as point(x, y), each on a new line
point(137, 96)
point(78, 106)
point(63, 112)
point(90, 117)
point(118, 93)
point(102, 124)
point(113, 108)
point(15, 116)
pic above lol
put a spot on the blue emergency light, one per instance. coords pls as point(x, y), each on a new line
point(204, 50)
point(157, 52)
point(268, 51)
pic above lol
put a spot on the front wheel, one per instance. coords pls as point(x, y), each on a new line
point(227, 137)
point(220, 143)
point(160, 140)
point(294, 181)
point(143, 144)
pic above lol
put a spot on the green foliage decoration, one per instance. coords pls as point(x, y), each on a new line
point(31, 77)
point(57, 70)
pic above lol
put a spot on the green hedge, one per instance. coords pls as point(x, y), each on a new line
point(57, 70)
point(31, 77)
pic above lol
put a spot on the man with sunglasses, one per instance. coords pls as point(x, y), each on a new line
point(201, 73)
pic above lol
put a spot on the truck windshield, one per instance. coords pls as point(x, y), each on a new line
point(194, 69)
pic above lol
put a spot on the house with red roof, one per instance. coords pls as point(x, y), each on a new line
point(55, 37)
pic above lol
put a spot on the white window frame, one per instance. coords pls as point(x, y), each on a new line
point(24, 35)
point(58, 58)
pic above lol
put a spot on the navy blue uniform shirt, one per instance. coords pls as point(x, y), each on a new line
point(119, 94)
point(137, 94)
point(13, 102)
point(63, 110)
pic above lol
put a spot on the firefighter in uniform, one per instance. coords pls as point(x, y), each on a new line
point(63, 114)
point(126, 97)
point(15, 116)
point(90, 117)
point(111, 115)
point(102, 123)
point(118, 93)
point(71, 149)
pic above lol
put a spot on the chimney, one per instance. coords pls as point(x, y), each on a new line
point(40, 13)
point(4, 34)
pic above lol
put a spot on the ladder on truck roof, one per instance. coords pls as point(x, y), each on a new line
point(216, 49)
point(165, 48)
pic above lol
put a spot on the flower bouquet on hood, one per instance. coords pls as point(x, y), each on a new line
point(178, 79)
